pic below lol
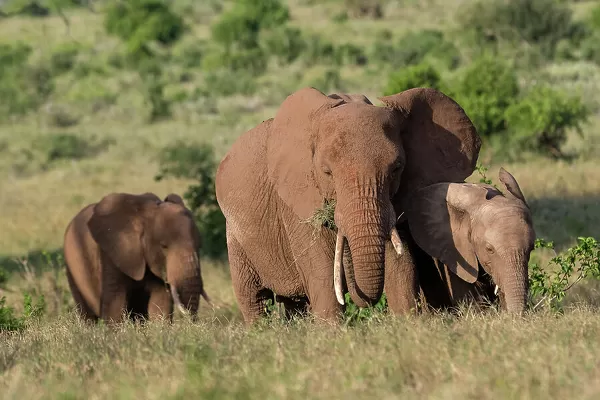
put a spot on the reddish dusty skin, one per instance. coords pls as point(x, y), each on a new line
point(120, 250)
point(368, 158)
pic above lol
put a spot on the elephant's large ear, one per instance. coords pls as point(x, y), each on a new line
point(117, 227)
point(511, 185)
point(439, 221)
point(290, 149)
point(440, 141)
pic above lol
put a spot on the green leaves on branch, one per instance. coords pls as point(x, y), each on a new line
point(9, 321)
point(197, 162)
point(575, 264)
point(541, 119)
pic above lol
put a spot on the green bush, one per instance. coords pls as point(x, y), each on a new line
point(541, 119)
point(595, 18)
point(63, 58)
point(414, 47)
point(26, 86)
point(319, 50)
point(421, 75)
point(542, 23)
point(365, 8)
point(227, 83)
point(9, 321)
point(66, 146)
point(285, 43)
point(185, 160)
point(590, 48)
point(349, 53)
point(486, 89)
point(141, 22)
point(252, 60)
point(242, 24)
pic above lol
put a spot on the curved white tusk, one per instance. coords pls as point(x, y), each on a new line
point(177, 300)
point(337, 268)
point(396, 242)
point(496, 290)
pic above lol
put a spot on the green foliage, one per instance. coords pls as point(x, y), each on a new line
point(182, 160)
point(590, 48)
point(549, 289)
point(26, 86)
point(226, 83)
point(365, 8)
point(541, 119)
point(486, 89)
point(241, 25)
point(66, 146)
point(541, 23)
point(594, 19)
point(140, 22)
point(416, 47)
point(421, 75)
point(285, 43)
point(9, 321)
point(354, 314)
point(63, 58)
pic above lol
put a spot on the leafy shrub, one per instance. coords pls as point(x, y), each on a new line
point(330, 80)
point(226, 83)
point(349, 53)
point(414, 47)
point(11, 322)
point(66, 146)
point(319, 50)
point(251, 60)
point(26, 86)
point(365, 8)
point(590, 48)
point(487, 88)
point(536, 22)
point(63, 58)
point(422, 75)
point(549, 289)
point(242, 24)
point(541, 119)
point(595, 18)
point(285, 43)
point(182, 160)
point(140, 22)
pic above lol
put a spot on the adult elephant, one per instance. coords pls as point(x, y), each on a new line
point(482, 237)
point(122, 251)
point(341, 148)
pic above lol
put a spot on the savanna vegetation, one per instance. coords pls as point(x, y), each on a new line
point(148, 95)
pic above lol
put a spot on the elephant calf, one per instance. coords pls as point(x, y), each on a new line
point(121, 252)
point(466, 225)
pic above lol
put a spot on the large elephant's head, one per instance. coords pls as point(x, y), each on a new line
point(464, 225)
point(367, 159)
point(142, 234)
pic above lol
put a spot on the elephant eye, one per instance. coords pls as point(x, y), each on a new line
point(489, 248)
point(163, 245)
point(327, 171)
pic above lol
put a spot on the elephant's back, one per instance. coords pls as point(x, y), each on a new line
point(243, 169)
point(82, 258)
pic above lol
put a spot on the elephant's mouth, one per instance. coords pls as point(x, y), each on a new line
point(177, 300)
point(338, 268)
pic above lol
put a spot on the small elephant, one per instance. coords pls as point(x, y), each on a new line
point(368, 159)
point(465, 226)
point(122, 251)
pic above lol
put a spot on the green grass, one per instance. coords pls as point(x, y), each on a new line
point(479, 356)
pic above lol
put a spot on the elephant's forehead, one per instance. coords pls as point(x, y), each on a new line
point(354, 132)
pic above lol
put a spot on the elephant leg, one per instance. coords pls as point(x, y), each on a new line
point(247, 287)
point(82, 308)
point(401, 277)
point(160, 302)
point(115, 290)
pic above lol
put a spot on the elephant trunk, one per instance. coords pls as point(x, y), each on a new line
point(515, 286)
point(362, 233)
point(186, 283)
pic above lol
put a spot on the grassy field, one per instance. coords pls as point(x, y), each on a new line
point(474, 356)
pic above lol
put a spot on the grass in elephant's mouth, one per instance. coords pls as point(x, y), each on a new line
point(481, 356)
point(324, 216)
